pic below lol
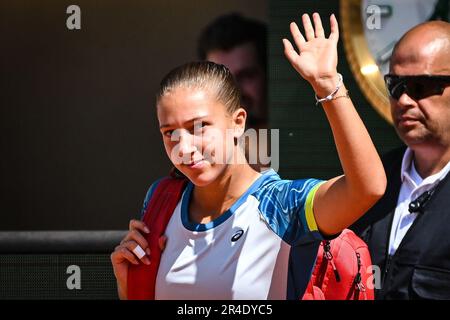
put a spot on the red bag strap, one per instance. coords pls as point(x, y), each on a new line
point(142, 277)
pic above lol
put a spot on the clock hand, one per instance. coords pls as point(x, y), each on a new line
point(385, 54)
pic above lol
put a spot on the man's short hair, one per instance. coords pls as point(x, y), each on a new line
point(231, 30)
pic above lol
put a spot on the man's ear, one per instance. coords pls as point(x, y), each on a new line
point(239, 118)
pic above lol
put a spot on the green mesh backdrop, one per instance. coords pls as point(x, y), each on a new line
point(44, 276)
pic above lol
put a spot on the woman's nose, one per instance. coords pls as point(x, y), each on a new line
point(186, 144)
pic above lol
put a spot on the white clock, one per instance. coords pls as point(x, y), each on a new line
point(370, 30)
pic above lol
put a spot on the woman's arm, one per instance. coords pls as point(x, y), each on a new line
point(342, 200)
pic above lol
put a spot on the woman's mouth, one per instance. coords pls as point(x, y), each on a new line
point(197, 164)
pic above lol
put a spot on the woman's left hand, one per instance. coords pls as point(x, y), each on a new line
point(316, 61)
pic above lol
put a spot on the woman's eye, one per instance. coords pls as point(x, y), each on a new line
point(199, 127)
point(168, 133)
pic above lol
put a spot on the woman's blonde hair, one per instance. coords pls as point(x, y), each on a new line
point(203, 75)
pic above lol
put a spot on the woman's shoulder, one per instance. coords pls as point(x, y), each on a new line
point(164, 182)
point(274, 186)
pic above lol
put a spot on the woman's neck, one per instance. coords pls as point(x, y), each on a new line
point(211, 201)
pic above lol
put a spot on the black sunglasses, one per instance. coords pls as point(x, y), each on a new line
point(417, 87)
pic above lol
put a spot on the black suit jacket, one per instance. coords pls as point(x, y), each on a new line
point(420, 268)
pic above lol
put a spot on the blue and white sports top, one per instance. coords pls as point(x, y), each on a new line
point(263, 247)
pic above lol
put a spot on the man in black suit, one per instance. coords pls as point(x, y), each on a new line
point(408, 230)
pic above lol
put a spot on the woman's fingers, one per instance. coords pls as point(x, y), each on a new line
point(297, 35)
point(309, 30)
point(136, 244)
point(121, 253)
point(289, 51)
point(137, 227)
point(318, 26)
point(140, 225)
point(134, 248)
point(334, 35)
point(314, 32)
point(137, 237)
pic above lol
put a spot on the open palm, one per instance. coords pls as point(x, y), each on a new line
point(317, 56)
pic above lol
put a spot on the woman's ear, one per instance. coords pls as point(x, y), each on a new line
point(239, 117)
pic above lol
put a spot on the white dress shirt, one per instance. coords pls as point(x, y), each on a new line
point(413, 185)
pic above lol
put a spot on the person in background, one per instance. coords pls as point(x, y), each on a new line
point(407, 231)
point(240, 44)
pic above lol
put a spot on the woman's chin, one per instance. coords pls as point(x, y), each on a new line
point(202, 178)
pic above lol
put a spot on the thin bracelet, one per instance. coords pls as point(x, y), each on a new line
point(346, 95)
point(331, 95)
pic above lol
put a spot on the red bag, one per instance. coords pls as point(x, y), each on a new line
point(342, 270)
point(142, 277)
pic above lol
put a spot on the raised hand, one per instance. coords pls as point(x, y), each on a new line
point(316, 59)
